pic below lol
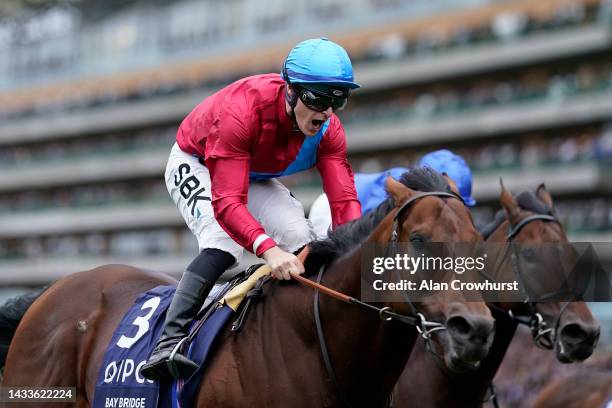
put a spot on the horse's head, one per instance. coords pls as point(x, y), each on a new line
point(428, 209)
point(568, 327)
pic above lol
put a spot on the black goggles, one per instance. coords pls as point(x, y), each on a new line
point(319, 100)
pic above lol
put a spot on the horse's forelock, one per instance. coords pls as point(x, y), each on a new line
point(529, 201)
point(425, 179)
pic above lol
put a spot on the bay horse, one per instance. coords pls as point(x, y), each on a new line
point(275, 361)
point(584, 390)
point(568, 327)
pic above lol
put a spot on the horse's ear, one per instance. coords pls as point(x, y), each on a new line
point(397, 191)
point(508, 202)
point(544, 195)
point(451, 183)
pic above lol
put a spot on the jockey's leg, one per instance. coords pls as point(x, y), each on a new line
point(194, 286)
point(320, 216)
point(281, 214)
point(188, 182)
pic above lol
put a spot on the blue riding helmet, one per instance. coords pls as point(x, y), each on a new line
point(371, 187)
point(319, 61)
point(445, 161)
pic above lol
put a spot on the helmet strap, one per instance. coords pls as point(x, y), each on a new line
point(292, 101)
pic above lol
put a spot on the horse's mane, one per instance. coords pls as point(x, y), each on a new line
point(527, 200)
point(346, 237)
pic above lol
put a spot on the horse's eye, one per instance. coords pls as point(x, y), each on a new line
point(417, 242)
point(415, 239)
point(529, 254)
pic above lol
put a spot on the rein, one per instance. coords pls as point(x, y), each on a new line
point(424, 327)
point(385, 313)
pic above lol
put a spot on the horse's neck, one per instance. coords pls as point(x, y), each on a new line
point(364, 349)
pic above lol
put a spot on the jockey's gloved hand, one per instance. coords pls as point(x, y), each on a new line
point(282, 263)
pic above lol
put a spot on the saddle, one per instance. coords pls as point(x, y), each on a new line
point(246, 285)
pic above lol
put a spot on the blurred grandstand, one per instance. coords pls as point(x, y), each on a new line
point(91, 93)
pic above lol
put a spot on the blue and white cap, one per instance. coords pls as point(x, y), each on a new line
point(319, 61)
point(445, 161)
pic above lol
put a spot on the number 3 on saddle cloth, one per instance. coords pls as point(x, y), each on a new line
point(120, 384)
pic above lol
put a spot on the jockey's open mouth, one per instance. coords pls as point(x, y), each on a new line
point(317, 123)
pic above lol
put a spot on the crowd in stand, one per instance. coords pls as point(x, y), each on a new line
point(506, 26)
point(576, 215)
point(525, 152)
point(503, 27)
point(550, 84)
point(116, 244)
point(79, 148)
point(94, 195)
point(31, 26)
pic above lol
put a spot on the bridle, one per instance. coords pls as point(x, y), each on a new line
point(543, 336)
point(409, 201)
point(424, 327)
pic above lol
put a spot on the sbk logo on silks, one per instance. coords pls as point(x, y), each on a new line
point(189, 188)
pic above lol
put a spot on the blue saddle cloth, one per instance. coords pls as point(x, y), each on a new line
point(120, 384)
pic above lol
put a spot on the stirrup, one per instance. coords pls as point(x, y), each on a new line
point(172, 363)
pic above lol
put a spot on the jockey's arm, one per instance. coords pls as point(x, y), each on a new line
point(230, 185)
point(337, 177)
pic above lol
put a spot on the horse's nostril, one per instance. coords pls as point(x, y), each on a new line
point(459, 326)
point(575, 333)
point(474, 329)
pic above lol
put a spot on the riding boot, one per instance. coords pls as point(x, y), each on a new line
point(189, 297)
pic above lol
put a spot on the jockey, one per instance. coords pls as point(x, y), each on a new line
point(371, 187)
point(222, 175)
